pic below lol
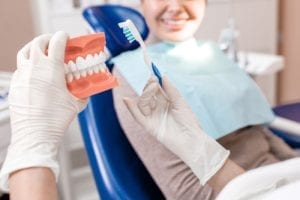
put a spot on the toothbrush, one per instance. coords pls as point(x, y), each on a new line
point(132, 34)
point(85, 69)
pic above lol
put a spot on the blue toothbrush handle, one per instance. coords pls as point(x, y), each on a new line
point(156, 73)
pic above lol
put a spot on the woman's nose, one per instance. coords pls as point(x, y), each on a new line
point(174, 5)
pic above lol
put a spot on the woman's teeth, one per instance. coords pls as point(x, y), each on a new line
point(174, 22)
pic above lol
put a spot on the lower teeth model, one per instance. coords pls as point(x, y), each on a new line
point(85, 69)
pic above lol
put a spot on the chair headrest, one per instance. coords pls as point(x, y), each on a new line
point(105, 18)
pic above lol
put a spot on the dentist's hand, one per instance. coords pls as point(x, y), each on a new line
point(165, 115)
point(41, 107)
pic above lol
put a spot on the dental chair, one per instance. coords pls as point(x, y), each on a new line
point(118, 172)
point(287, 124)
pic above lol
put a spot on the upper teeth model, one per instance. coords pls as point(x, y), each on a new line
point(85, 68)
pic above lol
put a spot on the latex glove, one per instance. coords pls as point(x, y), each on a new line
point(166, 116)
point(41, 107)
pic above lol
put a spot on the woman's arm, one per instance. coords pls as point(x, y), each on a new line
point(33, 183)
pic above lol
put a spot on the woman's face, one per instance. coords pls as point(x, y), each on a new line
point(173, 20)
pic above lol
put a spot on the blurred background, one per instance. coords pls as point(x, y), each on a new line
point(264, 34)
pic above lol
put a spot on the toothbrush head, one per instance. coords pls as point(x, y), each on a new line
point(130, 31)
point(85, 68)
point(132, 34)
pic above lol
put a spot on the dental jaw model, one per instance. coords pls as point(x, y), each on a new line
point(85, 69)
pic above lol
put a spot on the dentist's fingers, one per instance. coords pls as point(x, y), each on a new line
point(25, 51)
point(135, 111)
point(23, 55)
point(39, 47)
point(81, 104)
point(145, 102)
point(150, 81)
point(170, 90)
point(57, 46)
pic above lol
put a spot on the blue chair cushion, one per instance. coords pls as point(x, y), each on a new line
point(118, 172)
point(292, 112)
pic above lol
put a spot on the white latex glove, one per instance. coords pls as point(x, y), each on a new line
point(166, 116)
point(41, 107)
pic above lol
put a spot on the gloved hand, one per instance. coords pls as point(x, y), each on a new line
point(41, 107)
point(166, 116)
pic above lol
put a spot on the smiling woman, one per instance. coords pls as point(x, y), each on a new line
point(174, 20)
point(232, 113)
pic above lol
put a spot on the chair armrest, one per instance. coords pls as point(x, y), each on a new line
point(286, 125)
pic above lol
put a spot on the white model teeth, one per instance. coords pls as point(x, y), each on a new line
point(89, 58)
point(96, 69)
point(102, 57)
point(102, 68)
point(90, 71)
point(83, 73)
point(80, 62)
point(72, 66)
point(70, 77)
point(97, 59)
point(77, 75)
point(85, 66)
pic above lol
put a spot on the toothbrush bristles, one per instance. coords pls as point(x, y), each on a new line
point(128, 34)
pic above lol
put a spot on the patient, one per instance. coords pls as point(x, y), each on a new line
point(226, 102)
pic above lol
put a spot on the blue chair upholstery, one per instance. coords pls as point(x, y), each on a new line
point(118, 172)
point(292, 112)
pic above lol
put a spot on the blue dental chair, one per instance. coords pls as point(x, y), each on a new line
point(119, 174)
point(291, 112)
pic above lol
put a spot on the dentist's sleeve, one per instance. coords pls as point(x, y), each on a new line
point(41, 107)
